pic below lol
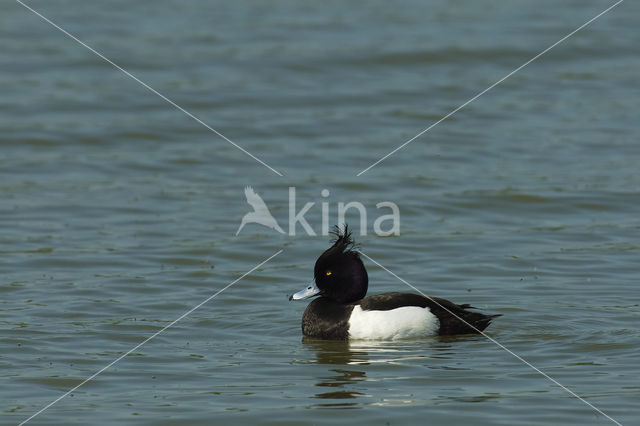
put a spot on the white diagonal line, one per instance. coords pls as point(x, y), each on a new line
point(151, 89)
point(150, 337)
point(490, 87)
point(498, 343)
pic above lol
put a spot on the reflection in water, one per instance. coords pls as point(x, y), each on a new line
point(365, 352)
point(341, 353)
point(348, 354)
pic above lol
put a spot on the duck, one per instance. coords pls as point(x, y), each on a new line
point(342, 311)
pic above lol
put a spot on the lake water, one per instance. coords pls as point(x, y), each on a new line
point(118, 212)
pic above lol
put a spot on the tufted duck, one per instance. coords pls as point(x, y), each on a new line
point(342, 311)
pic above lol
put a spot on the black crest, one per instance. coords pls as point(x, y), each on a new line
point(343, 241)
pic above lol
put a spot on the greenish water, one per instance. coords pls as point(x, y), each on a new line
point(118, 213)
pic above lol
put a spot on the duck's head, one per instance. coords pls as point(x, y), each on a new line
point(339, 273)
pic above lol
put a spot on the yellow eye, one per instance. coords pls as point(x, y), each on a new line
point(328, 273)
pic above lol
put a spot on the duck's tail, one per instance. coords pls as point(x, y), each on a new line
point(482, 323)
point(467, 322)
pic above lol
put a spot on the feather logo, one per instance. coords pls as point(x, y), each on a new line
point(260, 214)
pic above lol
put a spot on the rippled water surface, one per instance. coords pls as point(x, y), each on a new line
point(118, 212)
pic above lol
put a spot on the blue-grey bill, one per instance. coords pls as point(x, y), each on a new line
point(311, 290)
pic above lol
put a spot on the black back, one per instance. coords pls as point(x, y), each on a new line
point(454, 319)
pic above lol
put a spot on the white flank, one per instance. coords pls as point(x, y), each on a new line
point(399, 323)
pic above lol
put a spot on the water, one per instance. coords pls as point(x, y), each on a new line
point(118, 213)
